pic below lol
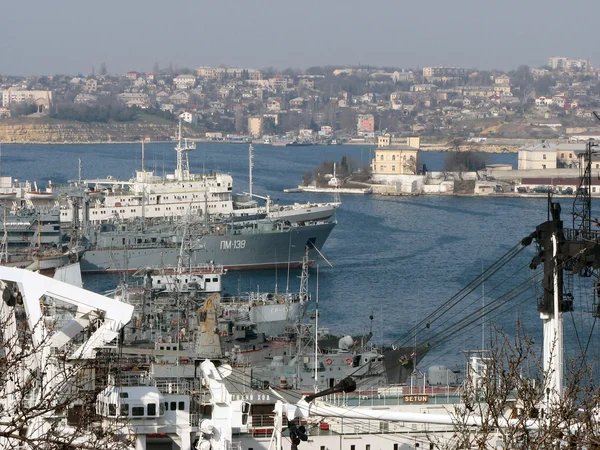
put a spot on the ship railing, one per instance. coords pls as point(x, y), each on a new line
point(571, 234)
point(131, 379)
point(195, 419)
point(365, 426)
point(397, 395)
point(173, 386)
point(263, 421)
point(136, 246)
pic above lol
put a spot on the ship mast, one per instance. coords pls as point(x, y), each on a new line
point(4, 245)
point(250, 165)
point(182, 172)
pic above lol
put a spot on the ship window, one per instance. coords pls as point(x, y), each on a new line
point(123, 395)
point(112, 409)
point(166, 407)
point(215, 280)
point(353, 447)
point(173, 406)
point(124, 409)
point(137, 411)
point(181, 406)
point(162, 408)
point(395, 446)
point(151, 409)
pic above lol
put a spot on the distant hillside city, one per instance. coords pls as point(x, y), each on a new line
point(322, 104)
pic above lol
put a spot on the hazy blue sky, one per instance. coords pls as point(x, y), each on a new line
point(68, 36)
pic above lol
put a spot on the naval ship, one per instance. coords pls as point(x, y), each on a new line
point(178, 194)
point(256, 244)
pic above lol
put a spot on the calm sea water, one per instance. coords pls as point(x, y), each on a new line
point(396, 258)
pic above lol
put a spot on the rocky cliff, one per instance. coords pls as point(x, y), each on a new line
point(86, 132)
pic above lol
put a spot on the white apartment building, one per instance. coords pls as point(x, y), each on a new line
point(184, 81)
point(217, 73)
point(15, 95)
point(563, 63)
point(549, 155)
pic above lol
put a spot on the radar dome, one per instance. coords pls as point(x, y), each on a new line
point(345, 343)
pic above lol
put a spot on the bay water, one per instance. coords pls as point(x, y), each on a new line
point(397, 259)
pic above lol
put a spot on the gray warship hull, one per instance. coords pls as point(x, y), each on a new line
point(261, 246)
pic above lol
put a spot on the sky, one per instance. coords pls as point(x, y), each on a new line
point(41, 37)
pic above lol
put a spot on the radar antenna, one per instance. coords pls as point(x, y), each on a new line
point(182, 173)
point(582, 205)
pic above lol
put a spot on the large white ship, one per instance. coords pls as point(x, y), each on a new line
point(182, 194)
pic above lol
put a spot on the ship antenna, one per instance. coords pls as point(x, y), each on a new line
point(183, 165)
point(483, 310)
point(4, 245)
point(250, 165)
point(317, 334)
point(304, 277)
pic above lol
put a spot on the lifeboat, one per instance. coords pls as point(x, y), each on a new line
point(37, 195)
point(8, 196)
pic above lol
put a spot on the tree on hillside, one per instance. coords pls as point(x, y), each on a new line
point(523, 81)
point(348, 120)
point(543, 84)
point(463, 161)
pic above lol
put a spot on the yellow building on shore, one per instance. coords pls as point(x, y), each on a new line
point(396, 158)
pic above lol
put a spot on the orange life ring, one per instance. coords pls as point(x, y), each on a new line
point(349, 361)
point(328, 361)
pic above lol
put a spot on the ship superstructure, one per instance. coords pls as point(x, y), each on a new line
point(181, 194)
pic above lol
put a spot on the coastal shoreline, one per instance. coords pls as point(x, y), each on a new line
point(210, 141)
